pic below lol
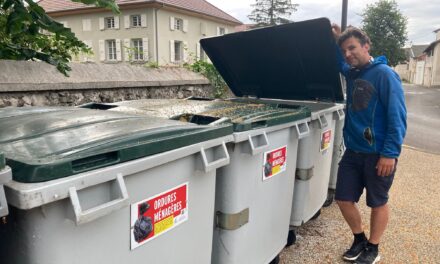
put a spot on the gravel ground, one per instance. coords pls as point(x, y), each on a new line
point(413, 234)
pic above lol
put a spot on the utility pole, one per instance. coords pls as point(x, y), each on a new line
point(344, 15)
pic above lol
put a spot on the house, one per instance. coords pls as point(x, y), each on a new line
point(407, 69)
point(163, 31)
point(432, 66)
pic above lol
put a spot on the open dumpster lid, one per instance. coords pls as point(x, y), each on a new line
point(42, 144)
point(295, 61)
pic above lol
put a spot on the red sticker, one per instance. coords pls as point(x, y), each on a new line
point(326, 138)
point(275, 162)
point(157, 215)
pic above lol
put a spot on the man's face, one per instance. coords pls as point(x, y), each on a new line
point(355, 54)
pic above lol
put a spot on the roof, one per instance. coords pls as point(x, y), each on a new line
point(197, 6)
point(244, 27)
point(431, 46)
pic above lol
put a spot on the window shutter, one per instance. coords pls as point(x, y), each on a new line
point(198, 55)
point(101, 50)
point(218, 31)
point(86, 23)
point(101, 23)
point(118, 50)
point(185, 51)
point(127, 21)
point(127, 49)
point(86, 57)
point(203, 29)
point(117, 22)
point(171, 23)
point(145, 48)
point(144, 20)
point(185, 25)
point(172, 51)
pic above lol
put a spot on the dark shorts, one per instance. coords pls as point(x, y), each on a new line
point(358, 171)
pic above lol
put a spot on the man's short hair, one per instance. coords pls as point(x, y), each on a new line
point(356, 33)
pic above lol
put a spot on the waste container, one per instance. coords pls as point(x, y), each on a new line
point(5, 176)
point(105, 187)
point(290, 64)
point(338, 152)
point(254, 192)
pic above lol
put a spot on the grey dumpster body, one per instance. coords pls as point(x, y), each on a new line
point(103, 187)
point(254, 192)
point(292, 64)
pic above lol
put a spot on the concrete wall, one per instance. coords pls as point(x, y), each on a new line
point(37, 83)
point(436, 66)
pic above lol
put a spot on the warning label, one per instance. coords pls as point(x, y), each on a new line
point(274, 162)
point(156, 215)
point(326, 138)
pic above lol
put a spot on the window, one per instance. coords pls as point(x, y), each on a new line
point(110, 22)
point(136, 21)
point(178, 51)
point(221, 31)
point(138, 49)
point(178, 24)
point(111, 50)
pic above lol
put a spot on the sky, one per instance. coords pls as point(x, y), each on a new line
point(423, 15)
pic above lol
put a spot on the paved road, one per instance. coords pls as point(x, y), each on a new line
point(423, 118)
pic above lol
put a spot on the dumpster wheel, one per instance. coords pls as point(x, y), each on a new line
point(291, 238)
point(276, 260)
point(330, 198)
point(315, 216)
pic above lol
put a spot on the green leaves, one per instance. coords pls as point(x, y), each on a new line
point(387, 29)
point(28, 33)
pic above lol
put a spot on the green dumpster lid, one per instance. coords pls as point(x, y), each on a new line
point(292, 61)
point(243, 115)
point(2, 161)
point(42, 144)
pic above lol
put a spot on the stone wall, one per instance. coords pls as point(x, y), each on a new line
point(37, 83)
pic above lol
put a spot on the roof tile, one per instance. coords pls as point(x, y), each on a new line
point(199, 6)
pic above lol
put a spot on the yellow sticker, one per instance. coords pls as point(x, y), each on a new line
point(164, 224)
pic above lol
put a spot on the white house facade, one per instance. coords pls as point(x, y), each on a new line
point(165, 32)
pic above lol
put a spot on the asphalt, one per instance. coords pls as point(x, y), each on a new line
point(413, 233)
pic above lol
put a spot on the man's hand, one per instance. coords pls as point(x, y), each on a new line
point(336, 29)
point(385, 166)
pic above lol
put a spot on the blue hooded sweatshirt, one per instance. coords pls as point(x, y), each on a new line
point(375, 119)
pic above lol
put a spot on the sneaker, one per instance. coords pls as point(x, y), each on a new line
point(368, 256)
point(355, 250)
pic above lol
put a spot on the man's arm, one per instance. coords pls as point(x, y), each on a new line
point(392, 97)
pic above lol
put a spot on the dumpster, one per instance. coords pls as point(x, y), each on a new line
point(254, 192)
point(294, 64)
point(338, 152)
point(5, 176)
point(105, 187)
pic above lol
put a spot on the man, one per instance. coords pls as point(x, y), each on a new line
point(375, 125)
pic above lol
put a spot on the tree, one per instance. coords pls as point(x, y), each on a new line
point(387, 29)
point(28, 33)
point(272, 12)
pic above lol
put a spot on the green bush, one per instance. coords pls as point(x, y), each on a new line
point(210, 72)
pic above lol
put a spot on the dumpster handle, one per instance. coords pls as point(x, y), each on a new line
point(302, 130)
point(5, 176)
point(341, 114)
point(82, 217)
point(259, 149)
point(322, 121)
point(209, 166)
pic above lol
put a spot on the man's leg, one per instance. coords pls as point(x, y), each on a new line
point(378, 223)
point(351, 215)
